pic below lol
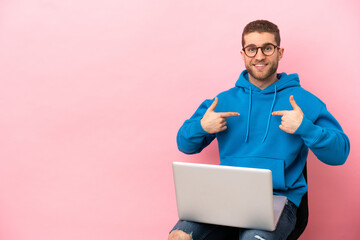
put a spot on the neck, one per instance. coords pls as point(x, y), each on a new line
point(263, 83)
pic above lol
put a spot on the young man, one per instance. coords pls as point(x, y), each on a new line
point(266, 121)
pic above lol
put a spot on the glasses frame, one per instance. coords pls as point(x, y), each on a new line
point(262, 49)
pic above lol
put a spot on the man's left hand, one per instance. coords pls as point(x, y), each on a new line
point(291, 119)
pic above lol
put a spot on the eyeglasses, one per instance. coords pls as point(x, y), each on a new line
point(268, 49)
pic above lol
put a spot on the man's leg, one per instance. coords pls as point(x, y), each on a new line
point(186, 230)
point(285, 226)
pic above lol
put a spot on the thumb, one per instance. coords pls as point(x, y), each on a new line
point(293, 103)
point(213, 105)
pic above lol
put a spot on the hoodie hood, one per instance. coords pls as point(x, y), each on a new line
point(284, 81)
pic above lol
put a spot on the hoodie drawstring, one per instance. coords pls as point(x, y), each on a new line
point(271, 110)
point(248, 123)
point(249, 113)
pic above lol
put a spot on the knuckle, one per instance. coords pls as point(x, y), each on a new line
point(178, 234)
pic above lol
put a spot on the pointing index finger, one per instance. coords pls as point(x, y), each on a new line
point(229, 114)
point(279, 113)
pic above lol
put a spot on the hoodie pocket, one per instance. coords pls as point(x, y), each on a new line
point(277, 167)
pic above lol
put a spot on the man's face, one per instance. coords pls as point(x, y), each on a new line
point(261, 67)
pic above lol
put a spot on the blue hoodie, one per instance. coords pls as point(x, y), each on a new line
point(254, 138)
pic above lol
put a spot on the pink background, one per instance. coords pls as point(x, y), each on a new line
point(93, 92)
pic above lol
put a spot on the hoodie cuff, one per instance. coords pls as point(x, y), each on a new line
point(197, 130)
point(308, 131)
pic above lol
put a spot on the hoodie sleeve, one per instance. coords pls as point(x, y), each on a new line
point(192, 138)
point(325, 138)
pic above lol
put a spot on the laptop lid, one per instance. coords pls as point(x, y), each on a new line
point(230, 196)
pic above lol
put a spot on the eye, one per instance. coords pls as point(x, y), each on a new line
point(251, 49)
point(268, 48)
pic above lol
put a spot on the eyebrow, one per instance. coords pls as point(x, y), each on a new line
point(253, 45)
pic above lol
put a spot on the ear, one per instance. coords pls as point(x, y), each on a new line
point(281, 53)
point(242, 55)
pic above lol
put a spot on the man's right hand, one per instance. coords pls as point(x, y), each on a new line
point(214, 122)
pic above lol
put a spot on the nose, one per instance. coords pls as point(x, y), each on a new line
point(259, 55)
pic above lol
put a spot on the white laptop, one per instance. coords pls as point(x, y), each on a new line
point(229, 196)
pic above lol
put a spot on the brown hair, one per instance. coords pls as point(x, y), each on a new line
point(262, 26)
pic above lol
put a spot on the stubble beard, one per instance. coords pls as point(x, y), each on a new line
point(266, 75)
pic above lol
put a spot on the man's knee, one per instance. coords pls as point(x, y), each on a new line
point(257, 235)
point(179, 235)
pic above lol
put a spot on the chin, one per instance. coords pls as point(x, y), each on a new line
point(262, 76)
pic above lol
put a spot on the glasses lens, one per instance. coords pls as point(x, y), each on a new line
point(268, 49)
point(250, 51)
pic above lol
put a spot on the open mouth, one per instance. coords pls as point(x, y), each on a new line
point(260, 66)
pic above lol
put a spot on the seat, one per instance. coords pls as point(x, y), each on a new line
point(302, 214)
